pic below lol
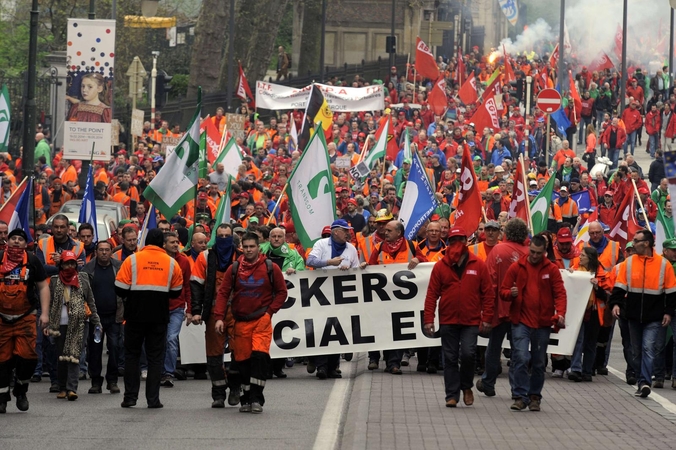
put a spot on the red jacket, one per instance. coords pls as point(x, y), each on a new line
point(250, 294)
point(498, 262)
point(632, 119)
point(467, 299)
point(184, 300)
point(653, 122)
point(621, 137)
point(546, 295)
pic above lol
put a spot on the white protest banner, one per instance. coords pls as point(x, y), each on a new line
point(343, 162)
point(137, 122)
point(235, 124)
point(378, 308)
point(90, 60)
point(340, 99)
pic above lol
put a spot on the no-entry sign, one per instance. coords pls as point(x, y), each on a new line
point(549, 100)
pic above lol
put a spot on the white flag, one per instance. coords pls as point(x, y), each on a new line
point(230, 157)
point(5, 116)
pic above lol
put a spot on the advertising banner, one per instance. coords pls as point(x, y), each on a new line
point(378, 308)
point(90, 59)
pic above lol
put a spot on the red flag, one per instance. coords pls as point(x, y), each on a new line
point(492, 90)
point(618, 42)
point(424, 61)
point(518, 207)
point(601, 62)
point(467, 92)
point(576, 96)
point(509, 71)
point(213, 140)
point(243, 89)
point(487, 116)
point(9, 206)
point(460, 70)
point(624, 224)
point(554, 57)
point(468, 214)
point(437, 98)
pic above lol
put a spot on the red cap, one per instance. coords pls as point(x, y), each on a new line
point(261, 204)
point(326, 230)
point(352, 202)
point(643, 190)
point(68, 255)
point(202, 196)
point(609, 192)
point(457, 231)
point(244, 194)
point(564, 235)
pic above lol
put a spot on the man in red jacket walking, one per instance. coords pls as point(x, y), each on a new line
point(653, 125)
point(258, 291)
point(535, 288)
point(632, 121)
point(613, 140)
point(461, 286)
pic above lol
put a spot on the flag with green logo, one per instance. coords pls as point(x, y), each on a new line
point(312, 196)
point(380, 148)
point(664, 229)
point(5, 115)
point(222, 212)
point(230, 157)
point(175, 184)
point(407, 145)
point(539, 207)
point(204, 164)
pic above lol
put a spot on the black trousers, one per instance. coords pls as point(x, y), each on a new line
point(111, 330)
point(253, 373)
point(327, 362)
point(24, 372)
point(154, 336)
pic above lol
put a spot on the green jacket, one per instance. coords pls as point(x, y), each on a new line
point(291, 257)
point(42, 149)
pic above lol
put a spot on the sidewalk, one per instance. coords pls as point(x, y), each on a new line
point(408, 412)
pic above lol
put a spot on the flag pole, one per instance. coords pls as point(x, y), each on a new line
point(525, 192)
point(638, 197)
point(408, 64)
point(279, 200)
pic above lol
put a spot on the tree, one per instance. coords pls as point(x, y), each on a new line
point(310, 45)
point(209, 46)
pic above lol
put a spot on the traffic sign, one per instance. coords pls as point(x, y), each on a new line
point(549, 101)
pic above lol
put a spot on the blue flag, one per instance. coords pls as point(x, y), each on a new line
point(418, 203)
point(88, 208)
point(21, 215)
point(582, 199)
point(148, 224)
point(562, 121)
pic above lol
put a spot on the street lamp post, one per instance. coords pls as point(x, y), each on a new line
point(30, 109)
point(153, 89)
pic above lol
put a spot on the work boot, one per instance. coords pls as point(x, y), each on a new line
point(534, 404)
point(373, 365)
point(518, 405)
point(95, 389)
point(256, 408)
point(481, 388)
point(22, 402)
point(468, 397)
point(245, 408)
point(218, 403)
point(112, 387)
point(658, 383)
point(233, 398)
point(3, 407)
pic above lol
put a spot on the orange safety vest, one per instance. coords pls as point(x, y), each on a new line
point(433, 255)
point(118, 254)
point(56, 206)
point(649, 277)
point(555, 212)
point(569, 209)
point(610, 255)
point(479, 251)
point(38, 206)
point(47, 246)
point(401, 257)
point(13, 290)
point(151, 269)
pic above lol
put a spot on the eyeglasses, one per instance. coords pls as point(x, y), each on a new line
point(637, 241)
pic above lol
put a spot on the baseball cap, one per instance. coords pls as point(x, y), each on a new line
point(476, 158)
point(253, 219)
point(564, 235)
point(533, 183)
point(352, 202)
point(643, 190)
point(202, 196)
point(326, 230)
point(407, 161)
point(492, 224)
point(670, 244)
point(457, 231)
point(244, 195)
point(609, 192)
point(158, 159)
point(564, 188)
point(341, 223)
point(68, 255)
point(239, 230)
point(575, 180)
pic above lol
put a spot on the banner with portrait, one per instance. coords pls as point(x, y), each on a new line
point(90, 59)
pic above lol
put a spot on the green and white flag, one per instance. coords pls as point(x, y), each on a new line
point(378, 150)
point(5, 116)
point(539, 208)
point(174, 185)
point(407, 145)
point(664, 229)
point(222, 212)
point(230, 157)
point(312, 196)
point(204, 164)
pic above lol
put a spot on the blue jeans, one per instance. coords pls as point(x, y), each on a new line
point(523, 337)
point(458, 344)
point(631, 141)
point(46, 350)
point(614, 155)
point(582, 130)
point(173, 329)
point(652, 143)
point(643, 339)
point(493, 355)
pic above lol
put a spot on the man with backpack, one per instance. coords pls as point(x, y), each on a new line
point(253, 289)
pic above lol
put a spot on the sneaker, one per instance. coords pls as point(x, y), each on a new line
point(144, 375)
point(658, 383)
point(218, 403)
point(246, 408)
point(311, 367)
point(167, 382)
point(280, 374)
point(557, 374)
point(575, 376)
point(534, 404)
point(233, 398)
point(394, 370)
point(36, 379)
point(54, 388)
point(487, 392)
point(96, 389)
point(518, 405)
point(405, 359)
point(256, 408)
point(22, 402)
point(566, 373)
point(631, 380)
point(645, 391)
point(289, 362)
point(72, 396)
point(373, 365)
point(112, 387)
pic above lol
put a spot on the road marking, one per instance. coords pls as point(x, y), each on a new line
point(666, 404)
point(336, 408)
